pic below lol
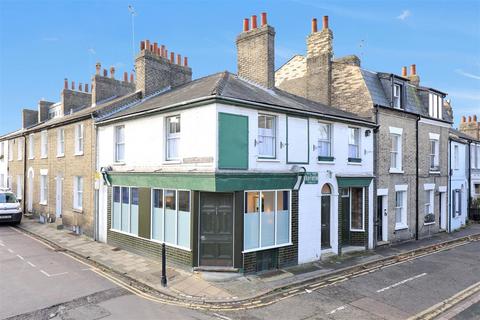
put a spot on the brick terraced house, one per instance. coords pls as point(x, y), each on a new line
point(411, 144)
point(231, 172)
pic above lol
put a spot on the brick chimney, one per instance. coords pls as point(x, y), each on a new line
point(319, 63)
point(29, 118)
point(470, 127)
point(414, 78)
point(256, 52)
point(105, 87)
point(155, 72)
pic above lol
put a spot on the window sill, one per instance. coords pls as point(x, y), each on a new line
point(357, 230)
point(394, 170)
point(354, 163)
point(60, 155)
point(434, 172)
point(31, 158)
point(267, 160)
point(119, 163)
point(266, 248)
point(354, 160)
point(43, 157)
point(429, 223)
point(326, 162)
point(44, 203)
point(400, 226)
point(78, 154)
point(325, 159)
point(78, 210)
point(171, 162)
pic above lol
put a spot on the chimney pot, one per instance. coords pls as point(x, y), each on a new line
point(80, 87)
point(185, 61)
point(172, 57)
point(98, 67)
point(179, 59)
point(413, 70)
point(166, 54)
point(162, 51)
point(404, 71)
point(464, 119)
point(155, 47)
point(73, 85)
point(112, 72)
point(314, 25)
point(254, 22)
point(245, 25)
point(125, 76)
point(474, 118)
point(142, 45)
point(65, 83)
point(147, 45)
point(131, 78)
point(105, 73)
point(469, 118)
point(86, 87)
point(264, 19)
point(325, 22)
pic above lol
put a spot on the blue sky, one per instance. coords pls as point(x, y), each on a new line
point(42, 42)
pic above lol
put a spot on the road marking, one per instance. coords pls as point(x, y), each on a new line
point(402, 282)
point(20, 257)
point(10, 250)
point(1, 244)
point(31, 264)
point(221, 316)
point(52, 275)
point(337, 309)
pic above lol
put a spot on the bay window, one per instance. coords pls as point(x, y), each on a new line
point(325, 142)
point(266, 219)
point(173, 137)
point(266, 136)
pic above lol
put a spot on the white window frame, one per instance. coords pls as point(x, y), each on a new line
point(261, 137)
point(259, 248)
point(435, 105)
point(60, 142)
point(169, 137)
point(78, 186)
point(397, 96)
point(434, 137)
point(398, 134)
point(19, 193)
point(356, 143)
point(79, 139)
point(43, 189)
point(10, 150)
point(403, 223)
point(118, 143)
point(44, 144)
point(328, 141)
point(31, 146)
point(363, 209)
point(456, 155)
point(19, 149)
point(430, 202)
point(2, 151)
point(175, 245)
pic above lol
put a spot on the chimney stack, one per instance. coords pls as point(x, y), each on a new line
point(319, 63)
point(254, 22)
point(65, 83)
point(185, 62)
point(73, 85)
point(80, 87)
point(414, 78)
point(469, 118)
point(131, 78)
point(86, 87)
point(464, 119)
point(256, 53)
point(404, 71)
point(125, 76)
point(105, 73)
point(474, 118)
point(112, 72)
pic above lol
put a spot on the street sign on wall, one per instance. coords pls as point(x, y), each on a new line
point(311, 178)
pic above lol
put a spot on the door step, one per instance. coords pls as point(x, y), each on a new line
point(216, 269)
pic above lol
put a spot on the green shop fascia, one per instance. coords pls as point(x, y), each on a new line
point(200, 218)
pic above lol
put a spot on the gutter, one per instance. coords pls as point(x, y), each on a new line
point(212, 99)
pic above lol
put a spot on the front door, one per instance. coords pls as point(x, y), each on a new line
point(58, 197)
point(379, 223)
point(216, 229)
point(325, 232)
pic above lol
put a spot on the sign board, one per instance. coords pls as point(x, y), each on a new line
point(311, 178)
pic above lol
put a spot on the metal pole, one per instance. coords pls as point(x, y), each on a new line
point(164, 266)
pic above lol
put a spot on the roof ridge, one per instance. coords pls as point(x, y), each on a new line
point(220, 84)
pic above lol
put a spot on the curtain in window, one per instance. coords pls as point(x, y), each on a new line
point(324, 140)
point(353, 143)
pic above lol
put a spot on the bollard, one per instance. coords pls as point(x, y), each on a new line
point(164, 266)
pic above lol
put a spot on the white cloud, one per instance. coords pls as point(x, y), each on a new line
point(404, 15)
point(91, 51)
point(467, 74)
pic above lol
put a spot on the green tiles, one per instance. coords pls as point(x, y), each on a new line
point(352, 182)
point(256, 181)
point(232, 141)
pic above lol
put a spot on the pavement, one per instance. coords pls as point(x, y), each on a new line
point(221, 287)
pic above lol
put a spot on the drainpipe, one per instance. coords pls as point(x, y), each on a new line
point(416, 180)
point(375, 171)
point(95, 191)
point(449, 211)
point(469, 194)
point(24, 172)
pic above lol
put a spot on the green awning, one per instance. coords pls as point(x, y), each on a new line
point(351, 182)
point(213, 182)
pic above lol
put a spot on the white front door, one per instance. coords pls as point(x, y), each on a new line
point(30, 191)
point(58, 197)
point(443, 210)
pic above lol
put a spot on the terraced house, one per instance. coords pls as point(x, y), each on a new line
point(237, 174)
point(411, 144)
point(51, 160)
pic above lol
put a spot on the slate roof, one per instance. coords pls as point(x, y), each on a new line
point(230, 86)
point(462, 135)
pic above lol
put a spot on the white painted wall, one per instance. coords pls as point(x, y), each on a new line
point(459, 180)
